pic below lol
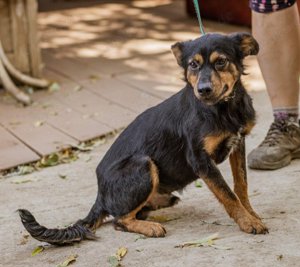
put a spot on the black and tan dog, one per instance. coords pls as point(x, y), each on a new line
point(172, 144)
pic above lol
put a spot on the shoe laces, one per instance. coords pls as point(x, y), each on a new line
point(278, 130)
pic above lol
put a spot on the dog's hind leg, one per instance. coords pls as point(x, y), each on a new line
point(157, 201)
point(140, 182)
point(238, 167)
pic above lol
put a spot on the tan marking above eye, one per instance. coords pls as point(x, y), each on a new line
point(198, 58)
point(216, 55)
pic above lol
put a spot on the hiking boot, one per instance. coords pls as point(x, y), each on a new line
point(280, 146)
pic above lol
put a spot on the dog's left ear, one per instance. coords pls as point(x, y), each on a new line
point(177, 50)
point(247, 44)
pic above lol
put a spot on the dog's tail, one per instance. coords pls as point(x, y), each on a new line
point(82, 229)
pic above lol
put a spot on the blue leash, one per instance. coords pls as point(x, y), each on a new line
point(197, 8)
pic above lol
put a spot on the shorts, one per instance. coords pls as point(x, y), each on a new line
point(266, 6)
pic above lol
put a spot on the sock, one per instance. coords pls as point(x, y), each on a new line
point(289, 114)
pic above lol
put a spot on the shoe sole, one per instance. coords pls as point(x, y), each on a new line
point(277, 164)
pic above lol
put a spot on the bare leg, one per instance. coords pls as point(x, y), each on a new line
point(278, 34)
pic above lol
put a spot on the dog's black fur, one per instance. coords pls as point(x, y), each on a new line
point(179, 140)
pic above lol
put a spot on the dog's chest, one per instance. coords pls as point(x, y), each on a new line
point(220, 146)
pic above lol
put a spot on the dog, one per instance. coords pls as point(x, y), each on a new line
point(174, 143)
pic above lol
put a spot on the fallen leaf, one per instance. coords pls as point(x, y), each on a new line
point(83, 147)
point(50, 160)
point(25, 169)
point(62, 176)
point(162, 218)
point(77, 88)
point(53, 87)
point(140, 237)
point(68, 261)
point(94, 77)
point(113, 261)
point(24, 239)
point(37, 250)
point(280, 257)
point(207, 241)
point(23, 181)
point(121, 253)
point(198, 183)
point(38, 123)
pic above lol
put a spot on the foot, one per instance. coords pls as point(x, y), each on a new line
point(150, 229)
point(280, 146)
point(252, 225)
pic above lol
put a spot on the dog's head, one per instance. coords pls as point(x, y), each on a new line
point(213, 63)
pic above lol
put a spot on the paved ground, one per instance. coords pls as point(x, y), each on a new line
point(111, 62)
point(58, 202)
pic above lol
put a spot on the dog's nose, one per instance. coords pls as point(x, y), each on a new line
point(204, 89)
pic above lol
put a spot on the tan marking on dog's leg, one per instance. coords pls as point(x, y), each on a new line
point(239, 173)
point(129, 221)
point(234, 207)
point(211, 142)
point(247, 129)
point(159, 201)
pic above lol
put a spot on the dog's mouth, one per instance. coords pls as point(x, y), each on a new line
point(212, 99)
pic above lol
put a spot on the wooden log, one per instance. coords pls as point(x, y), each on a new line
point(33, 38)
point(19, 34)
point(20, 76)
point(11, 88)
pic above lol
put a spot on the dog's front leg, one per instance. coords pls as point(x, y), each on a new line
point(216, 183)
point(239, 172)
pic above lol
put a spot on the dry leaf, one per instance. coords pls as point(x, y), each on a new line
point(23, 181)
point(24, 239)
point(280, 257)
point(54, 87)
point(68, 261)
point(25, 169)
point(51, 160)
point(94, 77)
point(37, 250)
point(198, 183)
point(77, 88)
point(38, 123)
point(121, 253)
point(62, 176)
point(114, 260)
point(207, 241)
point(162, 218)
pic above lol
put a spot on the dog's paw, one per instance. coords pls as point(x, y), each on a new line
point(252, 225)
point(155, 230)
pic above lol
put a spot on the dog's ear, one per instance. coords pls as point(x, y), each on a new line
point(246, 43)
point(177, 50)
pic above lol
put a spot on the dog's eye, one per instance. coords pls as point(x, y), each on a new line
point(221, 62)
point(194, 65)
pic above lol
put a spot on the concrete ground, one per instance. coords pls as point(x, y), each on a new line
point(58, 202)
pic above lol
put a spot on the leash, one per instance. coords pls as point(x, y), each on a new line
point(197, 8)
